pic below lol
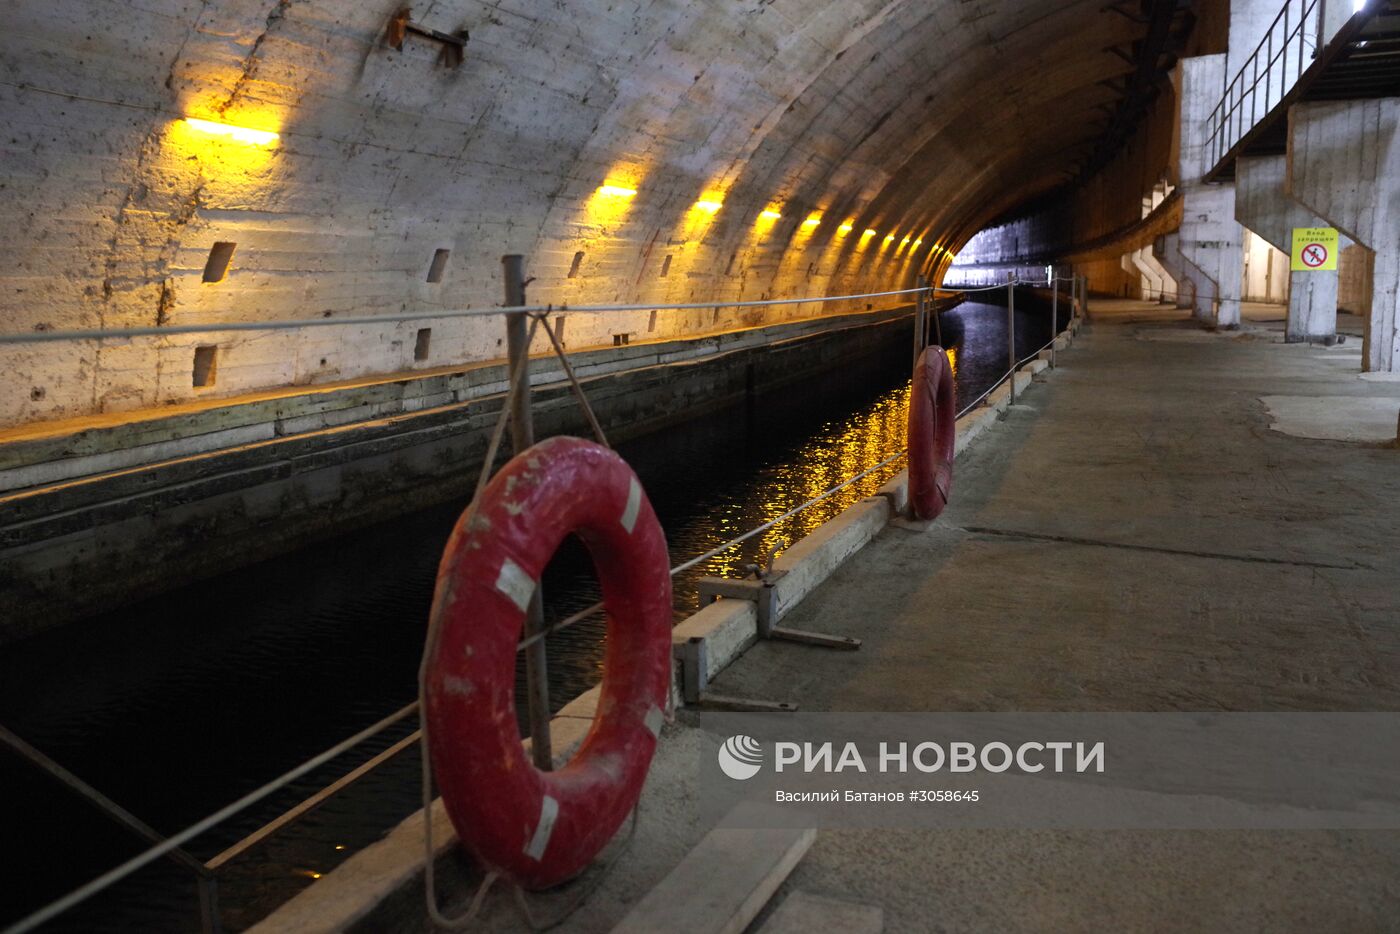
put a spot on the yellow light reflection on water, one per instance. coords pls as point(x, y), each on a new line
point(828, 458)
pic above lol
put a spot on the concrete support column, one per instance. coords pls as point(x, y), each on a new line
point(1153, 278)
point(1144, 287)
point(1168, 288)
point(1210, 248)
point(1354, 281)
point(1167, 250)
point(1263, 204)
point(1344, 165)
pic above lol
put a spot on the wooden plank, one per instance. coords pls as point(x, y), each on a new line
point(803, 913)
point(722, 884)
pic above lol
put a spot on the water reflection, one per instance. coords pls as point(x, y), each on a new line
point(179, 704)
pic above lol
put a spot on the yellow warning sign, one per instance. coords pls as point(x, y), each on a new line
point(1314, 249)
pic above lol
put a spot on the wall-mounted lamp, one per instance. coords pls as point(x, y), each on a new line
point(238, 134)
point(617, 191)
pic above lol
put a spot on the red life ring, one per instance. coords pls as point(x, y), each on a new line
point(541, 828)
point(932, 434)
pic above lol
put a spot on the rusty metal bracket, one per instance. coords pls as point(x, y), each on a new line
point(762, 592)
point(695, 683)
point(453, 44)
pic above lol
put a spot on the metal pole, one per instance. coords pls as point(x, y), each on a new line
point(920, 325)
point(933, 314)
point(1321, 31)
point(1011, 329)
point(204, 878)
point(209, 922)
point(930, 309)
point(522, 436)
point(1054, 318)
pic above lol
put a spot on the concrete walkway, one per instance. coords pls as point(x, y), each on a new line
point(1136, 537)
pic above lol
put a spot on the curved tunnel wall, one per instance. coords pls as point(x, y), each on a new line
point(917, 119)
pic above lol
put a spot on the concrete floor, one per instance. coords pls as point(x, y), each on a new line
point(1135, 537)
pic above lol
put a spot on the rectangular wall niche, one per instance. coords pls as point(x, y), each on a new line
point(666, 267)
point(206, 365)
point(422, 344)
point(573, 268)
point(220, 255)
point(439, 266)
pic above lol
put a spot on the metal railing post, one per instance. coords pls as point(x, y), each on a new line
point(1054, 318)
point(1011, 330)
point(920, 322)
point(209, 905)
point(522, 436)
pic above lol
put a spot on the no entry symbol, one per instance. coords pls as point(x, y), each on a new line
point(1314, 255)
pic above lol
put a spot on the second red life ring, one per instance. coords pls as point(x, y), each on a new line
point(932, 434)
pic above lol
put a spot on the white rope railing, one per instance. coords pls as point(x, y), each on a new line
point(40, 337)
point(173, 843)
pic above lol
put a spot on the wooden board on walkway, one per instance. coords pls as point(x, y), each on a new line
point(804, 913)
point(722, 884)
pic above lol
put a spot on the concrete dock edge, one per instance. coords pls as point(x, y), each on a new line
point(369, 888)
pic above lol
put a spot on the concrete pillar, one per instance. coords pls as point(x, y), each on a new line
point(1153, 286)
point(1354, 281)
point(1167, 287)
point(1141, 285)
point(1344, 165)
point(1263, 204)
point(1167, 250)
point(1211, 242)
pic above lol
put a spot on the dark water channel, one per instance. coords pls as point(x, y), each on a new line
point(177, 705)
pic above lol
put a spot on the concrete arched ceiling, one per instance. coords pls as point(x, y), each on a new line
point(918, 119)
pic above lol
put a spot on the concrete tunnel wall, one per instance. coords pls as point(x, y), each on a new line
point(918, 119)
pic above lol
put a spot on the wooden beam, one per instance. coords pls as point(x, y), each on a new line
point(722, 884)
point(806, 913)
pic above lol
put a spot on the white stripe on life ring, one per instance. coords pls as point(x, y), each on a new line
point(654, 719)
point(549, 812)
point(515, 584)
point(634, 506)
